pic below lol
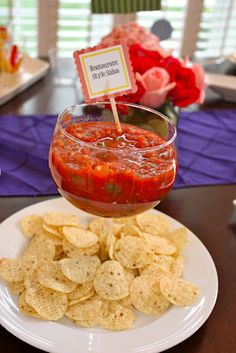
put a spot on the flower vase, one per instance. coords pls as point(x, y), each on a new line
point(150, 121)
point(171, 112)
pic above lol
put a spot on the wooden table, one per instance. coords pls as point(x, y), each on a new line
point(207, 211)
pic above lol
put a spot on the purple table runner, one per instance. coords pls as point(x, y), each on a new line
point(206, 144)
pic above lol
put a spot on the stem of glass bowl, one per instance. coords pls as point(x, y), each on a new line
point(106, 239)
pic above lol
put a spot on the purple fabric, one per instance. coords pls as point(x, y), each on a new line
point(207, 148)
point(206, 145)
point(24, 146)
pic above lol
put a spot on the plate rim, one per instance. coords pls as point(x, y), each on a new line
point(188, 333)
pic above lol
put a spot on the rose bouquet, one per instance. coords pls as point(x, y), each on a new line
point(164, 82)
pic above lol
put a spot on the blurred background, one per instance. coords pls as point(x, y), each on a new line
point(201, 28)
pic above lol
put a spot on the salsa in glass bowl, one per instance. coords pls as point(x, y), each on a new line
point(110, 173)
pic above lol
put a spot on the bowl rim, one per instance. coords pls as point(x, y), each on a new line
point(117, 150)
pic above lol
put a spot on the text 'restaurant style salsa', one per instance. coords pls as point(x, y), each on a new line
point(108, 173)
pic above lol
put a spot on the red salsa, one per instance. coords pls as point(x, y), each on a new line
point(108, 173)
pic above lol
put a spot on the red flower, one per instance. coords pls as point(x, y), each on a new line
point(143, 59)
point(171, 65)
point(185, 92)
point(131, 98)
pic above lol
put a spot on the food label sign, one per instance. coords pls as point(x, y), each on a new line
point(105, 72)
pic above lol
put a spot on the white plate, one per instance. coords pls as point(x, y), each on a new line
point(31, 71)
point(150, 334)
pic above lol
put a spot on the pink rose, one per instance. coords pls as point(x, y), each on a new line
point(199, 78)
point(200, 82)
point(133, 33)
point(156, 83)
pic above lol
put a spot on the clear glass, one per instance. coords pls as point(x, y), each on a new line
point(119, 181)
